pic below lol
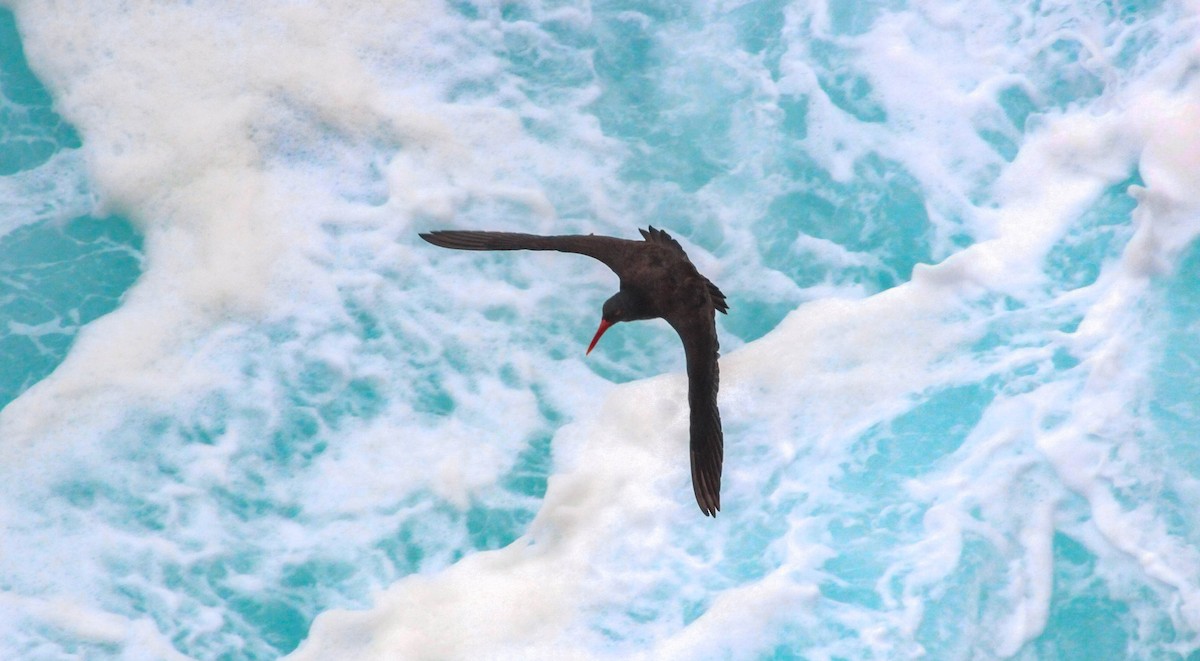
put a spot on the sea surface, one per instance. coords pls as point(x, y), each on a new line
point(246, 413)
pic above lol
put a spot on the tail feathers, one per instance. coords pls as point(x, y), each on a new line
point(718, 299)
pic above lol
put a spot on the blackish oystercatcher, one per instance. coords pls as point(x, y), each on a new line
point(657, 281)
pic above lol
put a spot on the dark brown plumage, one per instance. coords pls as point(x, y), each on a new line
point(657, 281)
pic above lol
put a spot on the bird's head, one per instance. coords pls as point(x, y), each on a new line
point(618, 308)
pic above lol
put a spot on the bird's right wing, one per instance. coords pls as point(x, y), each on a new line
point(699, 335)
point(608, 250)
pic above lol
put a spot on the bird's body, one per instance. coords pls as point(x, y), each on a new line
point(657, 281)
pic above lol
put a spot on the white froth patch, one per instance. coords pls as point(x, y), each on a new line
point(199, 128)
point(521, 601)
point(229, 135)
point(136, 638)
point(747, 617)
point(502, 609)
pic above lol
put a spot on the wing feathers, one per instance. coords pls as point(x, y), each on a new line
point(707, 445)
point(608, 250)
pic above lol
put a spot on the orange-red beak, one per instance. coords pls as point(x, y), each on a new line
point(604, 324)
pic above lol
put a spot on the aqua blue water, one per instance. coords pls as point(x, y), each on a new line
point(246, 413)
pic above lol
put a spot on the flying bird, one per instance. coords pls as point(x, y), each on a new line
point(657, 281)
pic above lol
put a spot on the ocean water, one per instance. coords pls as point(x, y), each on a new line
point(246, 413)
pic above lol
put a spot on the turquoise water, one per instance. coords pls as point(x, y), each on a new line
point(246, 413)
point(59, 271)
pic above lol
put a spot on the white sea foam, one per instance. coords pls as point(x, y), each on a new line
point(280, 162)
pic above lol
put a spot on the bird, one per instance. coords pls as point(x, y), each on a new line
point(657, 280)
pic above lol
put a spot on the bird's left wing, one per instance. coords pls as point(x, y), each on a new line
point(609, 250)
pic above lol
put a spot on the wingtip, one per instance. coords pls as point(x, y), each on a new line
point(708, 498)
